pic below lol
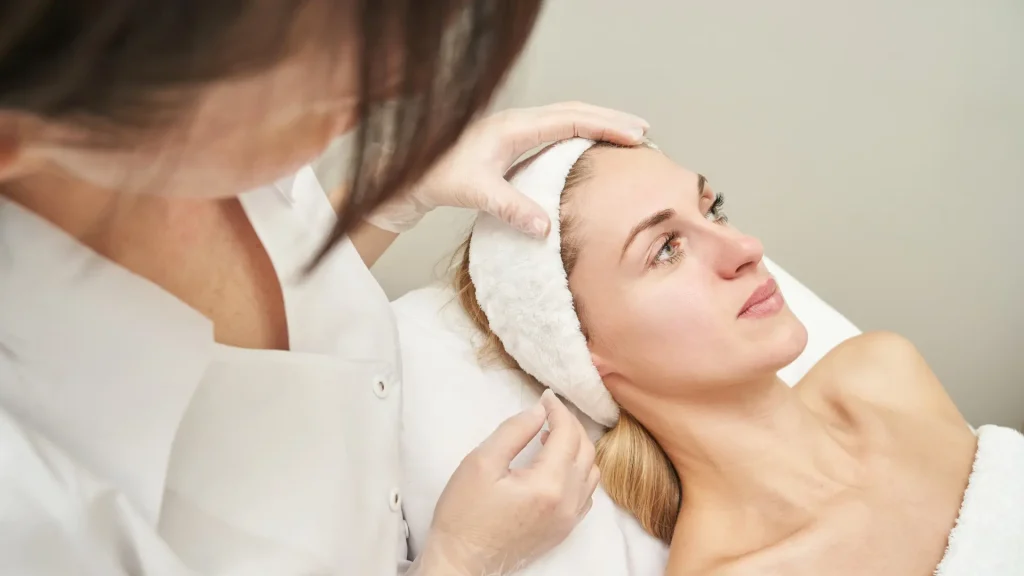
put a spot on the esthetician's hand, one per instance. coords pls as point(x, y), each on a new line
point(472, 174)
point(493, 520)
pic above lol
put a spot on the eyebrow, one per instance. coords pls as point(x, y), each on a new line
point(658, 217)
point(649, 222)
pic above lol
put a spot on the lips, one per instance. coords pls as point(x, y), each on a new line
point(765, 301)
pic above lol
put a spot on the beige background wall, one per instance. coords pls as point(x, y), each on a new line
point(877, 147)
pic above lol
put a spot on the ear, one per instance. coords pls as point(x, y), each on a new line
point(13, 145)
point(9, 152)
point(604, 367)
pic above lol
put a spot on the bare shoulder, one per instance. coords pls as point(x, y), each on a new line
point(875, 354)
point(884, 369)
point(760, 563)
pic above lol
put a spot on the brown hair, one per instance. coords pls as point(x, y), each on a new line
point(110, 65)
point(635, 471)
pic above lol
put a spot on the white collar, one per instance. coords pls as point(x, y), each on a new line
point(100, 361)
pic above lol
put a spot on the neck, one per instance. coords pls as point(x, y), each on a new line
point(105, 220)
point(754, 457)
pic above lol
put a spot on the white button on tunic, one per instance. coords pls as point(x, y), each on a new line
point(132, 443)
point(380, 388)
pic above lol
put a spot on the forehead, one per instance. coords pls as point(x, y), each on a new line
point(626, 185)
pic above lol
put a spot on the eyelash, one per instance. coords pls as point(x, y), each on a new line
point(714, 213)
point(716, 210)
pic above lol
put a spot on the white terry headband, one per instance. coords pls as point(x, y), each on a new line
point(522, 288)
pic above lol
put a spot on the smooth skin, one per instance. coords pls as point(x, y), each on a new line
point(167, 210)
point(859, 469)
point(894, 459)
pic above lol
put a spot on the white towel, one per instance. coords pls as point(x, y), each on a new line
point(988, 538)
point(523, 290)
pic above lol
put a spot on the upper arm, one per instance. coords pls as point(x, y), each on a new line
point(886, 369)
point(369, 241)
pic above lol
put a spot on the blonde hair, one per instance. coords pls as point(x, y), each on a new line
point(635, 471)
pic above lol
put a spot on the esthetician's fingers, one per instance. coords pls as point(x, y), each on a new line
point(558, 456)
point(472, 174)
point(610, 114)
point(532, 127)
point(527, 128)
point(584, 469)
point(509, 439)
point(587, 492)
point(601, 110)
point(500, 199)
point(585, 454)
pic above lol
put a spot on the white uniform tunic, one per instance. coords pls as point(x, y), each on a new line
point(132, 443)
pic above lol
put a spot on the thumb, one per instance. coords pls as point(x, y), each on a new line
point(512, 435)
point(511, 206)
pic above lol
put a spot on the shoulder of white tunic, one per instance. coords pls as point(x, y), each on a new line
point(99, 361)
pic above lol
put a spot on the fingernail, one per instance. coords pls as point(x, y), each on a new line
point(549, 395)
point(637, 134)
point(538, 227)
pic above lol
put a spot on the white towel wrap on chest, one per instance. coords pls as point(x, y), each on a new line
point(988, 538)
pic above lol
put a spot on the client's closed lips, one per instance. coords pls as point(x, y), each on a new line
point(765, 301)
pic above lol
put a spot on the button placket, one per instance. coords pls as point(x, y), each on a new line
point(395, 500)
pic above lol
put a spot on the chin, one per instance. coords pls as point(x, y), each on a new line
point(786, 342)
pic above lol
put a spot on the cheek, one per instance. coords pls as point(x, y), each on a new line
point(670, 329)
point(684, 321)
point(252, 147)
point(252, 131)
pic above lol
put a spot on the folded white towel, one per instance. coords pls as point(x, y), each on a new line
point(523, 290)
point(988, 539)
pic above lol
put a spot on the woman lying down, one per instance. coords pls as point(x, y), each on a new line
point(670, 331)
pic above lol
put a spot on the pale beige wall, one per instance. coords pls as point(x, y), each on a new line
point(877, 148)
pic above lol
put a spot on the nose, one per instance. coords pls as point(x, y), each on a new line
point(733, 253)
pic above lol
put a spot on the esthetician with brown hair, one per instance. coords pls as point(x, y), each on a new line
point(180, 393)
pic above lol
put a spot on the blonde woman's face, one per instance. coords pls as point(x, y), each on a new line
point(677, 302)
